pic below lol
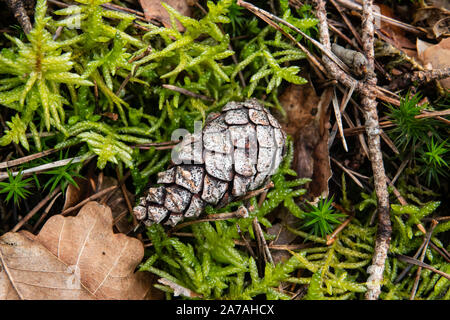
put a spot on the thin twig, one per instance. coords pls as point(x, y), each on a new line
point(254, 193)
point(124, 83)
point(281, 247)
point(115, 7)
point(241, 212)
point(156, 148)
point(265, 16)
point(441, 251)
point(343, 36)
point(246, 243)
point(45, 213)
point(369, 105)
point(422, 264)
point(332, 237)
point(437, 218)
point(141, 55)
point(427, 75)
point(262, 198)
point(347, 22)
point(434, 223)
point(47, 166)
point(356, 6)
point(187, 92)
point(157, 144)
point(388, 123)
point(35, 209)
point(349, 172)
point(361, 136)
point(368, 90)
point(345, 99)
point(262, 241)
point(406, 270)
point(16, 162)
point(120, 216)
point(338, 115)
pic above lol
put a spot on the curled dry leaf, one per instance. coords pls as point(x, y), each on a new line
point(153, 10)
point(74, 194)
point(436, 20)
point(395, 34)
point(73, 258)
point(307, 122)
point(436, 57)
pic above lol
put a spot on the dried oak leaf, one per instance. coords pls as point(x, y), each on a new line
point(73, 258)
point(153, 9)
point(29, 271)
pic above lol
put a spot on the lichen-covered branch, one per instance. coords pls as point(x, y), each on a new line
point(369, 105)
point(20, 14)
point(367, 89)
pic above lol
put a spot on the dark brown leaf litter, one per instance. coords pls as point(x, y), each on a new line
point(307, 122)
point(282, 235)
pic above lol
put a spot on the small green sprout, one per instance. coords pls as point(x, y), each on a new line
point(63, 176)
point(433, 162)
point(409, 130)
point(321, 218)
point(16, 187)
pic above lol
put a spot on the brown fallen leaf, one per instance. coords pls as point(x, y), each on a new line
point(73, 258)
point(153, 9)
point(29, 271)
point(394, 33)
point(436, 57)
point(307, 121)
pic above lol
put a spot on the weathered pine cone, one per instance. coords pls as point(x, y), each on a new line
point(237, 151)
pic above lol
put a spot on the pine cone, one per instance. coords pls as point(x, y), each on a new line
point(237, 151)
